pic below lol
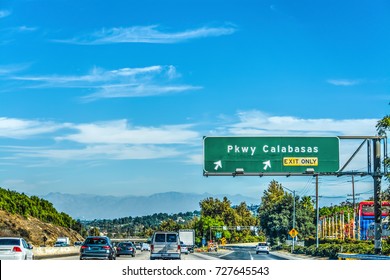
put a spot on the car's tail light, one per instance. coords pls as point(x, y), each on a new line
point(118, 249)
point(84, 247)
point(178, 247)
point(16, 249)
point(106, 247)
point(151, 247)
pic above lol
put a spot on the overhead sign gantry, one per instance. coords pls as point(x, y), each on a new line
point(294, 156)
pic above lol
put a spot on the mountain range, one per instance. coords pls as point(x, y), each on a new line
point(91, 207)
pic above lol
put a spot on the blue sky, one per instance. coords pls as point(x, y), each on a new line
point(114, 97)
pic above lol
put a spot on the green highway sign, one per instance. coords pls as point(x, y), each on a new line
point(240, 155)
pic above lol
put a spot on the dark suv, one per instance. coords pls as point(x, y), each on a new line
point(126, 248)
point(97, 247)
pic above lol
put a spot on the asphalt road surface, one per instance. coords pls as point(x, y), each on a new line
point(233, 253)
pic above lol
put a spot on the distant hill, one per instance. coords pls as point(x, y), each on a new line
point(90, 207)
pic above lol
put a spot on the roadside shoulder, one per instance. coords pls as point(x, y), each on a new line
point(290, 256)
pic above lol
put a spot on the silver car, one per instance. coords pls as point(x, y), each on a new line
point(15, 248)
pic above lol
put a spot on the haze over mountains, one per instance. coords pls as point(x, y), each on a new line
point(90, 207)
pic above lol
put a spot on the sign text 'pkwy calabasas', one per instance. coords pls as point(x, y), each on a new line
point(226, 155)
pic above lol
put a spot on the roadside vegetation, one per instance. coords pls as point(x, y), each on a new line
point(21, 204)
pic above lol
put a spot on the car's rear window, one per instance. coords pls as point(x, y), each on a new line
point(125, 244)
point(96, 241)
point(9, 242)
point(262, 244)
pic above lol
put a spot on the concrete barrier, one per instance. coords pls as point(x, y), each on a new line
point(50, 252)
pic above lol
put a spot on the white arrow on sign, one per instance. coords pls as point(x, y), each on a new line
point(267, 164)
point(217, 164)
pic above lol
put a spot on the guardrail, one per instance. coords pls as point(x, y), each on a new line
point(345, 256)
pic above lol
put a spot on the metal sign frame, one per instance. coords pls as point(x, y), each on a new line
point(377, 172)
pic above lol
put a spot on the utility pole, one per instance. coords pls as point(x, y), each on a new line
point(293, 241)
point(377, 176)
point(353, 206)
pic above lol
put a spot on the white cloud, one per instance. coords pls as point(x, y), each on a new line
point(343, 82)
point(24, 28)
point(4, 13)
point(136, 90)
point(19, 129)
point(6, 70)
point(259, 123)
point(147, 34)
point(119, 83)
point(101, 152)
point(111, 140)
point(121, 132)
point(95, 77)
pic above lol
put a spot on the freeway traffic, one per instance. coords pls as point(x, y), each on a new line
point(229, 253)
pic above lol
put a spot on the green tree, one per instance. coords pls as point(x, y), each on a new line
point(205, 226)
point(276, 214)
point(94, 231)
point(305, 217)
point(273, 218)
point(169, 225)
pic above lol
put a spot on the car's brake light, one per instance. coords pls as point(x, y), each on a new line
point(84, 247)
point(106, 247)
point(16, 249)
point(151, 247)
point(178, 247)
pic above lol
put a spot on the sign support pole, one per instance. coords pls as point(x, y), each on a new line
point(317, 211)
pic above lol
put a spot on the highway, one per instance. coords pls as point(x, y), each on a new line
point(247, 253)
point(233, 253)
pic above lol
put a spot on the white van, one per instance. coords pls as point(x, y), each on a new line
point(165, 245)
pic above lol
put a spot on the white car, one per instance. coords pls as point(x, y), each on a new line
point(145, 247)
point(183, 248)
point(15, 248)
point(262, 247)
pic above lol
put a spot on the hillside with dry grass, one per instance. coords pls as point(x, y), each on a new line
point(33, 229)
point(35, 219)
